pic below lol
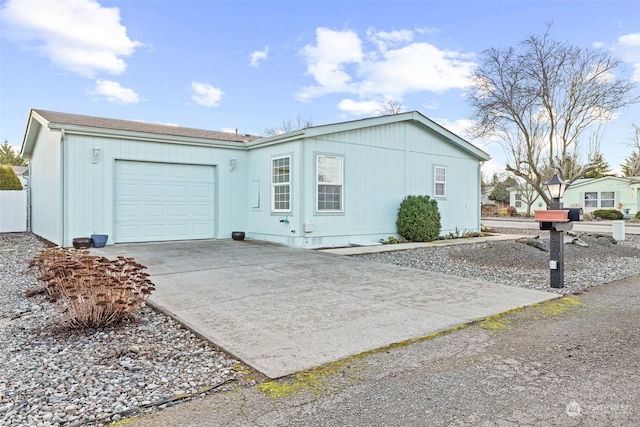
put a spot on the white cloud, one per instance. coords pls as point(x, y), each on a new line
point(388, 67)
point(77, 35)
point(259, 55)
point(360, 108)
point(461, 127)
point(629, 46)
point(383, 40)
point(114, 92)
point(205, 94)
point(326, 61)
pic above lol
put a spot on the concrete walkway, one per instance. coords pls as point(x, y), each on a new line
point(282, 310)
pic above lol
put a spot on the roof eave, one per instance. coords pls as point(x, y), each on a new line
point(144, 136)
point(34, 124)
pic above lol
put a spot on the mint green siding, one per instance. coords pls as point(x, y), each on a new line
point(382, 165)
point(46, 186)
point(623, 190)
point(619, 193)
point(151, 187)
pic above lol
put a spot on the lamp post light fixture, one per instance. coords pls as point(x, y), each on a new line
point(556, 187)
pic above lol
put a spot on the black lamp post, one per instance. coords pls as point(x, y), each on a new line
point(556, 187)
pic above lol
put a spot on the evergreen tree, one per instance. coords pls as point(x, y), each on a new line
point(600, 167)
point(9, 157)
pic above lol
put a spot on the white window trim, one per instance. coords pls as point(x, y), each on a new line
point(613, 200)
point(341, 184)
point(280, 184)
point(436, 182)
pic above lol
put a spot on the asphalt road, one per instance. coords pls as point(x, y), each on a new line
point(570, 362)
point(586, 226)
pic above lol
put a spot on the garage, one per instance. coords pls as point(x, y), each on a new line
point(163, 201)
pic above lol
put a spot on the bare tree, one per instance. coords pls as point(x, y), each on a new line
point(542, 100)
point(631, 166)
point(289, 126)
point(527, 194)
point(390, 107)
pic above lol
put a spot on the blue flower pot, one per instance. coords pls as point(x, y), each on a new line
point(99, 240)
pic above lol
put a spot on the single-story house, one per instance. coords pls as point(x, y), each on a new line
point(609, 192)
point(329, 185)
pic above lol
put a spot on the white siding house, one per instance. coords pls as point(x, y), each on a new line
point(330, 185)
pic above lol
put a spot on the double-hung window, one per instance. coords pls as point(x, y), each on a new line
point(281, 184)
point(591, 199)
point(518, 200)
point(440, 181)
point(607, 199)
point(604, 199)
point(330, 183)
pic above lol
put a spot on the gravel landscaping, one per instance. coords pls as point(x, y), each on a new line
point(50, 375)
point(53, 376)
point(516, 264)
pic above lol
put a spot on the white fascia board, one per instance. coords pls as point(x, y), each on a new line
point(147, 137)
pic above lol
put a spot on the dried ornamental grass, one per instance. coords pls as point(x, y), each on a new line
point(92, 291)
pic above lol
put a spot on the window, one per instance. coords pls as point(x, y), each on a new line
point(607, 199)
point(281, 184)
point(591, 199)
point(518, 200)
point(330, 180)
point(440, 181)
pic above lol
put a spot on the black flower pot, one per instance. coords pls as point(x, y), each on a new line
point(237, 235)
point(82, 242)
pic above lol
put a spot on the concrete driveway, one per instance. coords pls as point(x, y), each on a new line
point(282, 310)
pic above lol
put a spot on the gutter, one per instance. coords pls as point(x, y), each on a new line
point(62, 210)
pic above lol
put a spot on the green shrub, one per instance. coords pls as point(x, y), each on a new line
point(607, 214)
point(419, 219)
point(638, 215)
point(8, 179)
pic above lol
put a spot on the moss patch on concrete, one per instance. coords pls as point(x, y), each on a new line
point(559, 306)
point(317, 380)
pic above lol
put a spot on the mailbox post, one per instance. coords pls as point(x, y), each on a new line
point(556, 187)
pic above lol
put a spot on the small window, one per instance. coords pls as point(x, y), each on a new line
point(591, 199)
point(440, 181)
point(330, 183)
point(518, 200)
point(607, 199)
point(281, 184)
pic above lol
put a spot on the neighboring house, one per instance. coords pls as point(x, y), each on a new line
point(22, 173)
point(608, 192)
point(330, 185)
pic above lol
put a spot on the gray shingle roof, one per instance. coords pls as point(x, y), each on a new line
point(143, 127)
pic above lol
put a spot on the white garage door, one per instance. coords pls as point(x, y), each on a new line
point(163, 201)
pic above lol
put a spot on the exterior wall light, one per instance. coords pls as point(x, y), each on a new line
point(96, 155)
point(232, 164)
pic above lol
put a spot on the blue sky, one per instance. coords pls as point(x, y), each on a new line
point(249, 65)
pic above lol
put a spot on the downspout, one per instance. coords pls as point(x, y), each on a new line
point(479, 203)
point(29, 197)
point(62, 187)
point(302, 193)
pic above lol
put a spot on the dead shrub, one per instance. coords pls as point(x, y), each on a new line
point(92, 291)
